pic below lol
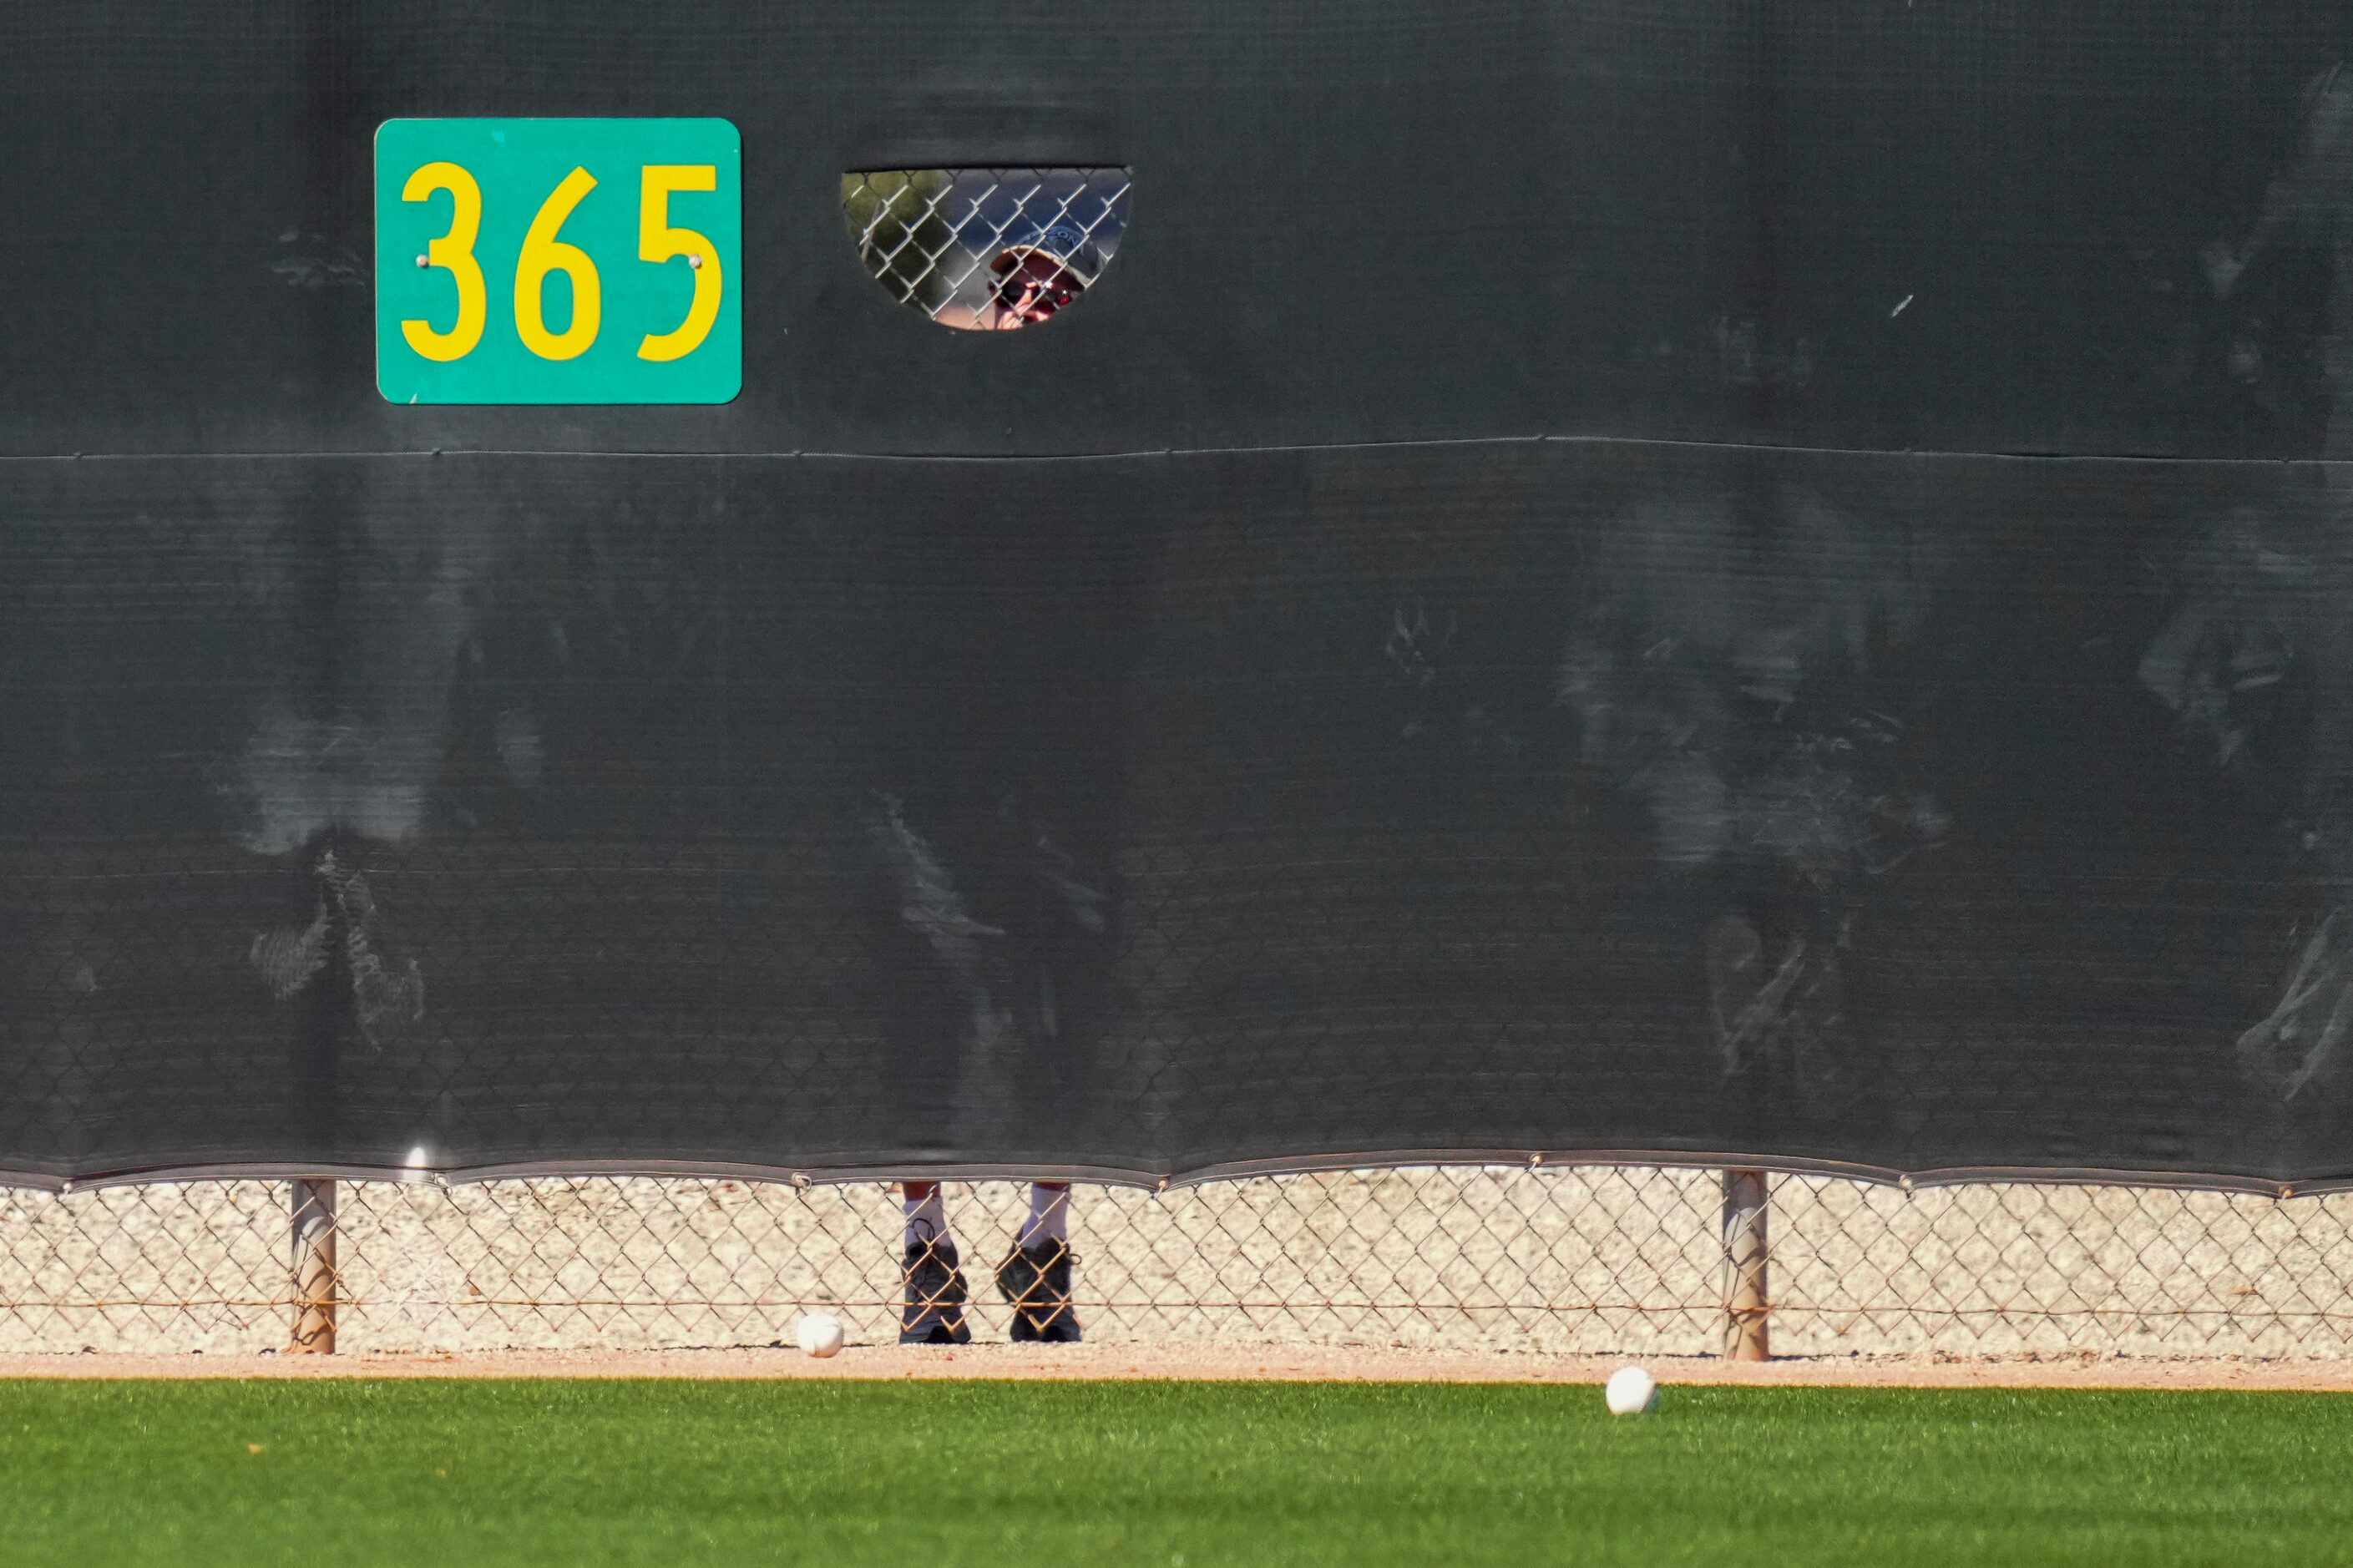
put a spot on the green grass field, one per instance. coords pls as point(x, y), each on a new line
point(456, 1474)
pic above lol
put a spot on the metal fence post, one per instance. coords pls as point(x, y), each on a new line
point(315, 1267)
point(1745, 1260)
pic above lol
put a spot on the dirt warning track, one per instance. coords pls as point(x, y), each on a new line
point(1259, 1363)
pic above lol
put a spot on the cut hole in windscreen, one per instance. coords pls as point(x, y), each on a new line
point(987, 249)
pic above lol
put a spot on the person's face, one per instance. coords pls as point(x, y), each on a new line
point(1034, 285)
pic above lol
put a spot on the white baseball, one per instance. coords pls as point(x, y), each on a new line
point(818, 1333)
point(1631, 1392)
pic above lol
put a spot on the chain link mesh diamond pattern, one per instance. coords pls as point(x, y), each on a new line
point(985, 248)
point(1596, 1260)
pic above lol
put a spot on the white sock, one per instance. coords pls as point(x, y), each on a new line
point(927, 1219)
point(1050, 1216)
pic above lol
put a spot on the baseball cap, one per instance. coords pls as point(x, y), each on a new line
point(1063, 243)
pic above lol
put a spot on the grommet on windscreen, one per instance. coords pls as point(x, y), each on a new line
point(555, 261)
point(987, 249)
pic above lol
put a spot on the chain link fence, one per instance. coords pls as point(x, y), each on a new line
point(1569, 1259)
point(986, 249)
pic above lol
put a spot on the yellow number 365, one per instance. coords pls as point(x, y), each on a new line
point(503, 268)
point(542, 253)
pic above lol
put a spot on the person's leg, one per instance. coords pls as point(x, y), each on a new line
point(933, 1313)
point(1049, 1215)
point(927, 1215)
point(1036, 1276)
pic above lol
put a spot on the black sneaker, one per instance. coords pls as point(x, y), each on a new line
point(935, 1297)
point(1037, 1281)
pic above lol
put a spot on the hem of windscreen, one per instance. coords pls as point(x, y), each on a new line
point(849, 1173)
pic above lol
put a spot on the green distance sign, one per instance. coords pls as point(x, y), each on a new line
point(559, 260)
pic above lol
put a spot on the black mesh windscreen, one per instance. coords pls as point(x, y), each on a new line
point(1156, 814)
point(1712, 579)
point(1842, 224)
